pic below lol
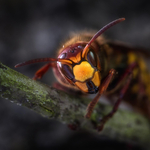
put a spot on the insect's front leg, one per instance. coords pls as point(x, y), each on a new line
point(43, 70)
point(102, 89)
point(128, 76)
point(115, 107)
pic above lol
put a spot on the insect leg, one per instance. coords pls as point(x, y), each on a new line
point(43, 70)
point(102, 89)
point(110, 114)
point(128, 74)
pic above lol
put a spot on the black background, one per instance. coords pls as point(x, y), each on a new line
point(33, 29)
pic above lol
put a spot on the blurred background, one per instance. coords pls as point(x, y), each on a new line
point(34, 29)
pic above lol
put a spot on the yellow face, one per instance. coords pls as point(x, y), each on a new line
point(87, 79)
point(83, 71)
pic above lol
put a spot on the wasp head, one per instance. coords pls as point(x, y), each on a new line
point(83, 72)
point(82, 68)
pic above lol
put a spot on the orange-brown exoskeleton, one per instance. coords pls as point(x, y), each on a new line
point(93, 64)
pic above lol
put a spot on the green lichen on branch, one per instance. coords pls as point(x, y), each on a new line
point(51, 103)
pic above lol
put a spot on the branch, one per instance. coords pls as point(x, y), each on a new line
point(68, 109)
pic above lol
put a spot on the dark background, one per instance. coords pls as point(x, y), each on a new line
point(33, 29)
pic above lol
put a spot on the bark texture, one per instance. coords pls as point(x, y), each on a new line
point(51, 103)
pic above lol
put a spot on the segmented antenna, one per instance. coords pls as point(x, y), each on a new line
point(43, 60)
point(85, 50)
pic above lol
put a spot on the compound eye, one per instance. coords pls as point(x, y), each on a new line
point(67, 71)
point(92, 58)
